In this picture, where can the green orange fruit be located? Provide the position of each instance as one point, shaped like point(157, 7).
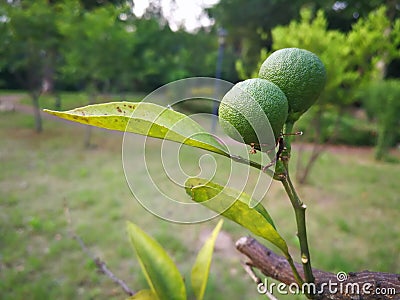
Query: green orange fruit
point(299, 73)
point(246, 110)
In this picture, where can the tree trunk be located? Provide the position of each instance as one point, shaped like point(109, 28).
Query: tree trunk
point(57, 101)
point(318, 146)
point(364, 285)
point(49, 65)
point(88, 136)
point(385, 140)
point(303, 171)
point(36, 112)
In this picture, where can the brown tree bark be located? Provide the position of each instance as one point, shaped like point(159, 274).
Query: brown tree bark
point(36, 112)
point(364, 285)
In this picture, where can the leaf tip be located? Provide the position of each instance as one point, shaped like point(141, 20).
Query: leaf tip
point(219, 225)
point(49, 111)
point(130, 225)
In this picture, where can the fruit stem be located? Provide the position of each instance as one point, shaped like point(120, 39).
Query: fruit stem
point(298, 206)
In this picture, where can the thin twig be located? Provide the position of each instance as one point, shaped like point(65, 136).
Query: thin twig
point(101, 265)
point(257, 280)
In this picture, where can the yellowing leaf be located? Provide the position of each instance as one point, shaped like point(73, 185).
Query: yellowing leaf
point(201, 267)
point(240, 196)
point(160, 271)
point(150, 120)
point(146, 119)
point(235, 206)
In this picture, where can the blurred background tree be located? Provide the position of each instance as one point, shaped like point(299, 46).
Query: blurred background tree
point(250, 23)
point(103, 47)
point(382, 102)
point(98, 46)
point(351, 59)
point(99, 50)
point(29, 45)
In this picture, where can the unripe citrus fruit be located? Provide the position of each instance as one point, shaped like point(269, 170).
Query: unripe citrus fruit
point(299, 73)
point(246, 109)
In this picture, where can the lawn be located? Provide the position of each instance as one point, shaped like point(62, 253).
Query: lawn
point(353, 216)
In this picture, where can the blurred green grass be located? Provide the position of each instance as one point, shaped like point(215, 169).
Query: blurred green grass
point(353, 216)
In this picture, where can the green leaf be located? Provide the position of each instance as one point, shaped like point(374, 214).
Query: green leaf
point(235, 206)
point(144, 295)
point(241, 196)
point(146, 119)
point(160, 271)
point(201, 267)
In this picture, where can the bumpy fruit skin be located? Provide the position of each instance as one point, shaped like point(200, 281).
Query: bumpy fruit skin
point(299, 73)
point(245, 110)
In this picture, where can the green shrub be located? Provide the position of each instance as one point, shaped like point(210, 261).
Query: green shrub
point(382, 102)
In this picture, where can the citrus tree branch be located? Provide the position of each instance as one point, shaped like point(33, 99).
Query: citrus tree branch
point(364, 285)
